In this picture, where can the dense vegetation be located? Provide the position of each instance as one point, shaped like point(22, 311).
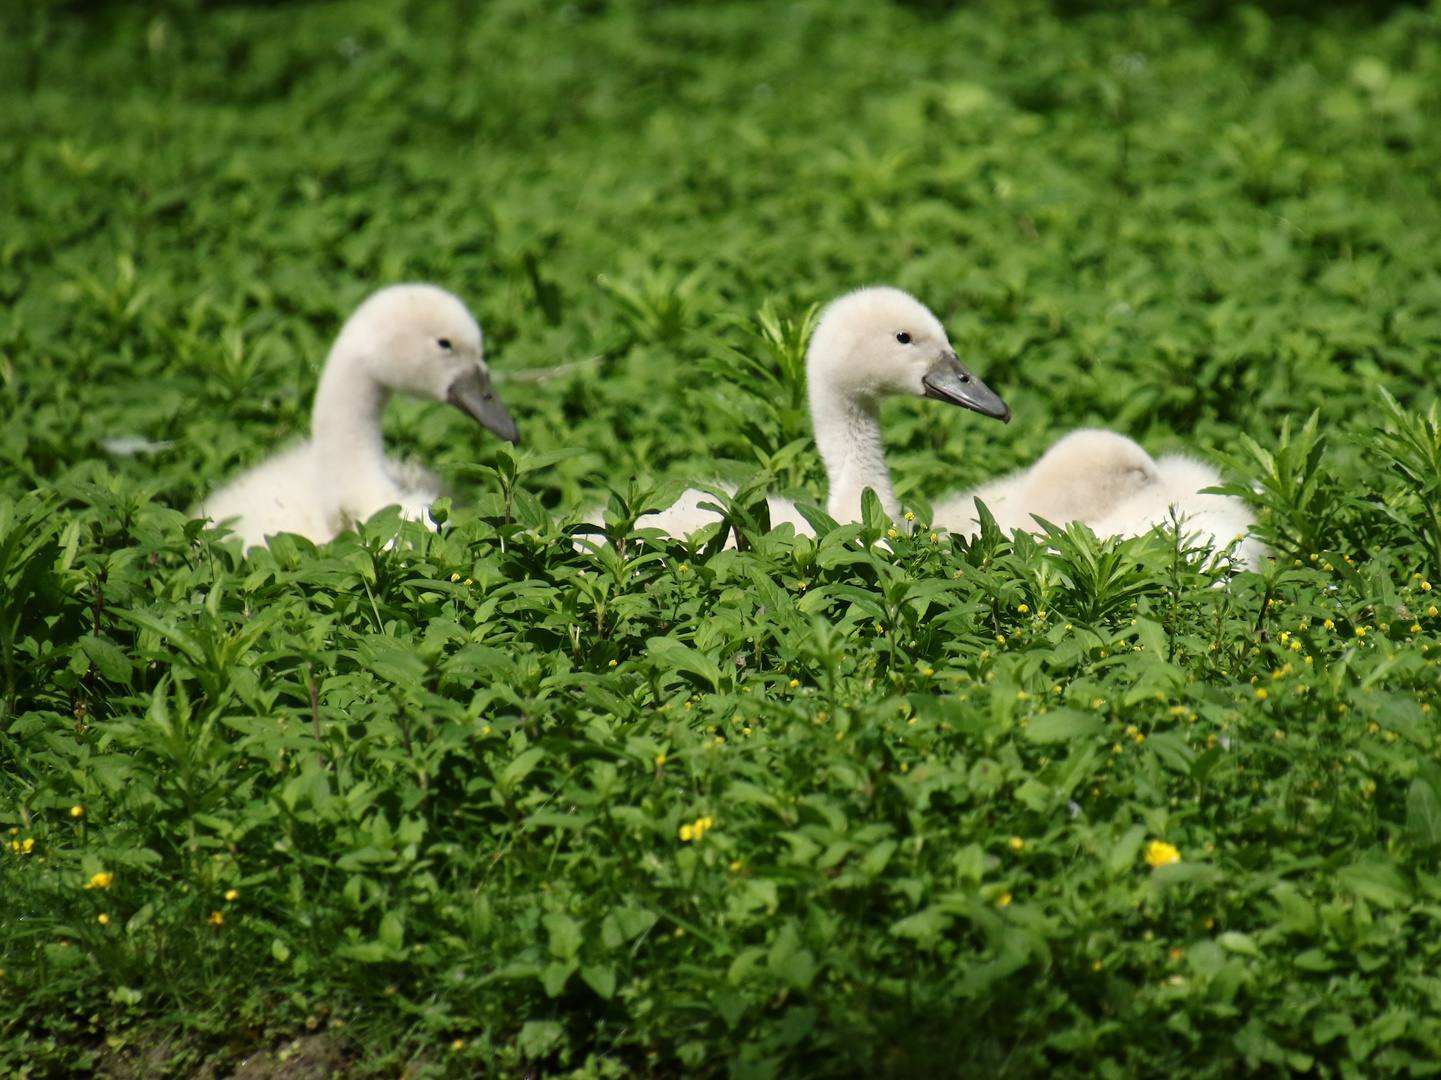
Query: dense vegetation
point(489, 801)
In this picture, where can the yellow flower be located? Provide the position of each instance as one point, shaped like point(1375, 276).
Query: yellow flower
point(467, 581)
point(1329, 625)
point(1360, 631)
point(23, 847)
point(1017, 843)
point(611, 664)
point(458, 1045)
point(100, 881)
point(1425, 586)
point(795, 683)
point(1160, 853)
point(1431, 611)
point(683, 568)
point(735, 866)
point(1003, 900)
point(1415, 628)
point(77, 811)
point(1023, 609)
point(891, 533)
point(660, 759)
point(1261, 693)
point(454, 577)
point(1176, 954)
point(910, 516)
point(232, 894)
point(1095, 965)
point(103, 919)
point(935, 539)
point(928, 671)
point(216, 919)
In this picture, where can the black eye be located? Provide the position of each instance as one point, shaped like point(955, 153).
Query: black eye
point(904, 338)
point(444, 343)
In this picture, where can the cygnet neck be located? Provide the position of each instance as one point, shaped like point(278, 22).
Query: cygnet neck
point(848, 435)
point(345, 424)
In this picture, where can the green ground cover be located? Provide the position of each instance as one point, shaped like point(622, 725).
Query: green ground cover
point(482, 803)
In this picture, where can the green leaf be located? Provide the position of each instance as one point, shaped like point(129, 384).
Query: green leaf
point(1064, 725)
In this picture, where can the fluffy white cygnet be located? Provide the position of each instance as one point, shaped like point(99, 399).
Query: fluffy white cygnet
point(409, 339)
point(869, 345)
point(1107, 482)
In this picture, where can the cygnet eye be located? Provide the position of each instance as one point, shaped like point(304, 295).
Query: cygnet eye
point(904, 338)
point(444, 343)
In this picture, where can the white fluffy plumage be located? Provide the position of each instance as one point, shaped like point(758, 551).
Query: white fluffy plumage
point(868, 345)
point(410, 339)
point(1107, 482)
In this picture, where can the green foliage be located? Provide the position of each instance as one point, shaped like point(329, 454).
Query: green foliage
point(531, 797)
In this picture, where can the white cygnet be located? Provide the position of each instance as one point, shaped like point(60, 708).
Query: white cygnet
point(408, 339)
point(1111, 485)
point(868, 345)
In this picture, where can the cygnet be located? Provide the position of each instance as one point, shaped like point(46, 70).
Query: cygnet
point(409, 339)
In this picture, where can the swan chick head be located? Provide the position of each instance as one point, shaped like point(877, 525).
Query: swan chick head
point(422, 340)
point(881, 342)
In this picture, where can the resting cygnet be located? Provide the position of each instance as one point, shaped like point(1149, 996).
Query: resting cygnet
point(1107, 482)
point(869, 345)
point(408, 339)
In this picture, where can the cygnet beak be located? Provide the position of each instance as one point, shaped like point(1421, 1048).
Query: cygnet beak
point(950, 380)
point(473, 395)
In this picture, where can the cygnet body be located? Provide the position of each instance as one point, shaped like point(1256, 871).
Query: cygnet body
point(408, 339)
point(1111, 485)
point(868, 345)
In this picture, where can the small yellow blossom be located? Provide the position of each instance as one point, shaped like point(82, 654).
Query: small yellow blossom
point(232, 894)
point(1176, 954)
point(454, 577)
point(1003, 900)
point(1095, 965)
point(1425, 586)
point(1278, 734)
point(458, 1045)
point(1415, 628)
point(905, 766)
point(1115, 748)
point(891, 533)
point(101, 880)
point(1017, 843)
point(23, 847)
point(696, 829)
point(1360, 631)
point(467, 581)
point(1023, 609)
point(1261, 694)
point(1372, 728)
point(485, 730)
point(735, 866)
point(660, 759)
point(77, 811)
point(1160, 853)
point(103, 919)
point(1431, 611)
point(216, 919)
point(928, 671)
point(611, 664)
point(935, 539)
point(683, 568)
point(910, 516)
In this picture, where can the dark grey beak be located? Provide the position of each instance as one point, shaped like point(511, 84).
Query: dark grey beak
point(473, 395)
point(950, 380)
